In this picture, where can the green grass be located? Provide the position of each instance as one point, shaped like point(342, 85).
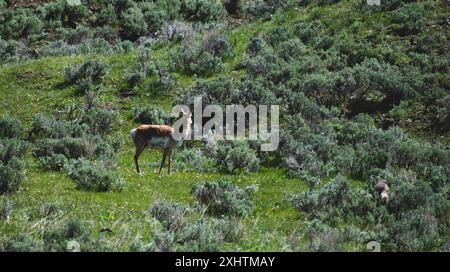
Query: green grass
point(31, 87)
point(125, 212)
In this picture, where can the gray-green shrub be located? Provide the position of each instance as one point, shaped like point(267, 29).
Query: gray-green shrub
point(150, 115)
point(236, 156)
point(46, 127)
point(90, 70)
point(133, 24)
point(92, 176)
point(12, 152)
point(194, 160)
point(192, 59)
point(202, 10)
point(330, 195)
point(223, 198)
point(185, 230)
point(11, 128)
point(170, 215)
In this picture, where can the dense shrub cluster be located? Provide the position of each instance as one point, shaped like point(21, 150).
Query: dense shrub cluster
point(329, 196)
point(193, 159)
point(12, 151)
point(409, 18)
point(236, 156)
point(73, 138)
point(266, 7)
point(8, 50)
point(150, 115)
point(196, 236)
point(185, 230)
point(143, 68)
point(401, 220)
point(224, 199)
point(99, 120)
point(71, 148)
point(133, 23)
point(217, 45)
point(67, 236)
point(228, 157)
point(78, 140)
point(90, 176)
point(203, 10)
point(85, 75)
point(191, 59)
point(176, 31)
point(57, 239)
point(202, 58)
point(357, 148)
point(322, 238)
point(171, 216)
point(59, 28)
point(11, 128)
point(227, 91)
point(21, 243)
point(45, 127)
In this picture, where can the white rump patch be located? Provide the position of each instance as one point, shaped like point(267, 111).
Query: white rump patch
point(133, 133)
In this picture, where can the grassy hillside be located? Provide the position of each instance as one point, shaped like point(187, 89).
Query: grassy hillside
point(127, 210)
point(364, 96)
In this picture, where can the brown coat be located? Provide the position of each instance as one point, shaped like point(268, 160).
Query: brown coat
point(158, 137)
point(146, 132)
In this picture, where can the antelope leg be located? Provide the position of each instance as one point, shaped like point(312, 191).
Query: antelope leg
point(137, 153)
point(170, 161)
point(163, 161)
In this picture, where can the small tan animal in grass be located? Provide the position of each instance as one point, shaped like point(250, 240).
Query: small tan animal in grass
point(382, 188)
point(158, 137)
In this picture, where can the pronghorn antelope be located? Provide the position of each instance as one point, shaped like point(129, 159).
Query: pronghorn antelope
point(158, 137)
point(383, 189)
